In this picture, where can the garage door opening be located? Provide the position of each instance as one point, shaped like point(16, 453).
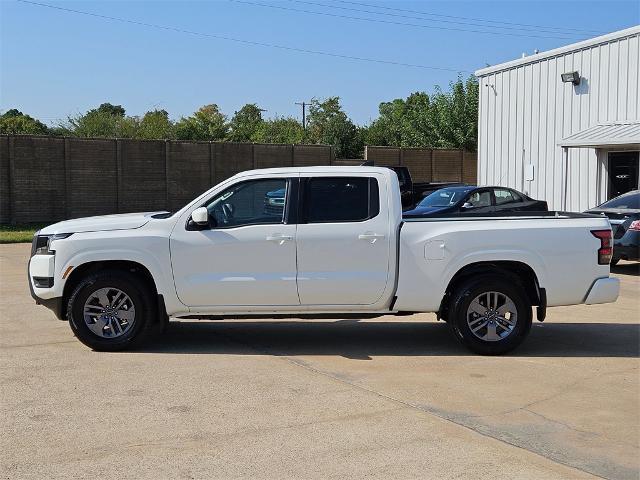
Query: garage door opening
point(623, 172)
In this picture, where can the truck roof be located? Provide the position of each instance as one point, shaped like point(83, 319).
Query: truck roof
point(317, 169)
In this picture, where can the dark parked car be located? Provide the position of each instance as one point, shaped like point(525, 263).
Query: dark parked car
point(476, 200)
point(274, 202)
point(624, 216)
point(412, 192)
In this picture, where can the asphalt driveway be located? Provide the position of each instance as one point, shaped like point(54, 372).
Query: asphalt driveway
point(382, 398)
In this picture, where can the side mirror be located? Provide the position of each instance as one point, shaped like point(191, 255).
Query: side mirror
point(466, 205)
point(200, 216)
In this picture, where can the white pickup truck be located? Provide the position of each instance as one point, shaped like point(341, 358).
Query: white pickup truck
point(327, 241)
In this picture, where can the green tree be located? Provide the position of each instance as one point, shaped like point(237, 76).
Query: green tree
point(15, 122)
point(454, 115)
point(208, 123)
point(155, 125)
point(106, 121)
point(442, 120)
point(245, 123)
point(279, 130)
point(329, 125)
point(109, 109)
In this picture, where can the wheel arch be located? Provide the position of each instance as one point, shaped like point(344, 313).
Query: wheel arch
point(134, 268)
point(516, 271)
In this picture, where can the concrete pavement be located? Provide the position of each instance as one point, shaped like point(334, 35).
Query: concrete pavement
point(383, 398)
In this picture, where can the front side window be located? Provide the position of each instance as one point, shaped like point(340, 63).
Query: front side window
point(480, 199)
point(254, 202)
point(341, 199)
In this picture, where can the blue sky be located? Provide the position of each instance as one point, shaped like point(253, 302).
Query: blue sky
point(56, 63)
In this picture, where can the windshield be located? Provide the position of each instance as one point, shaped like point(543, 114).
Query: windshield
point(444, 197)
point(631, 200)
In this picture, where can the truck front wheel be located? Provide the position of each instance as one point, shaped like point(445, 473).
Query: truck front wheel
point(490, 315)
point(110, 310)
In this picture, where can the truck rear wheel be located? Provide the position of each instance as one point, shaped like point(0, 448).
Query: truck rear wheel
point(490, 315)
point(110, 311)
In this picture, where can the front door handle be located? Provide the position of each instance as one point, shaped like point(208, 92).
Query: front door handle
point(371, 236)
point(280, 238)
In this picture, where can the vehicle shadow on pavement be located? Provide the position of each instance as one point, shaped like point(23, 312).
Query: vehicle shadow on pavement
point(627, 268)
point(363, 340)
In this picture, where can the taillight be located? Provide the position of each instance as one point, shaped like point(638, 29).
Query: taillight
point(635, 225)
point(606, 250)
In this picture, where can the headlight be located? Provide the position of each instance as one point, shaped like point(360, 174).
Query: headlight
point(41, 244)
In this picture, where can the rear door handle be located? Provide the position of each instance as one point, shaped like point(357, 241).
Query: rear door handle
point(372, 237)
point(280, 238)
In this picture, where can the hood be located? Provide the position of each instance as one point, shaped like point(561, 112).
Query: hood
point(123, 221)
point(426, 210)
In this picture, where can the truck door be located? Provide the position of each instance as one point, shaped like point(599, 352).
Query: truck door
point(343, 240)
point(247, 256)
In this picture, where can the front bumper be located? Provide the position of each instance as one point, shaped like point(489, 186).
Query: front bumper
point(44, 268)
point(603, 290)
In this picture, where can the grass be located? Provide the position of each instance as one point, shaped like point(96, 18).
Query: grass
point(21, 233)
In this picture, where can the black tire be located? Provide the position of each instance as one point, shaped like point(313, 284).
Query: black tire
point(469, 290)
point(140, 295)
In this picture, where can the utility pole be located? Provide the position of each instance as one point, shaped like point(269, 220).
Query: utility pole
point(304, 106)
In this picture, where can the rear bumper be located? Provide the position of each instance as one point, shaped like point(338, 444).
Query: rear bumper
point(603, 290)
point(628, 246)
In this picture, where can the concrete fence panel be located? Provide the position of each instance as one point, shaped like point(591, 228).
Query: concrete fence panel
point(427, 164)
point(188, 172)
point(47, 179)
point(38, 179)
point(418, 160)
point(231, 158)
point(143, 177)
point(384, 156)
point(311, 155)
point(470, 168)
point(5, 186)
point(91, 177)
point(447, 165)
point(270, 156)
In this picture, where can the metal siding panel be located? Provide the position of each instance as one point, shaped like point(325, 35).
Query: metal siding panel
point(513, 127)
point(534, 130)
point(486, 135)
point(604, 83)
point(552, 115)
point(634, 79)
point(505, 129)
point(594, 84)
point(540, 179)
point(497, 126)
point(536, 110)
point(614, 68)
point(623, 80)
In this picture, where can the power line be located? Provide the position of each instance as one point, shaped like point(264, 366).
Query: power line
point(508, 26)
point(467, 18)
point(244, 41)
point(391, 22)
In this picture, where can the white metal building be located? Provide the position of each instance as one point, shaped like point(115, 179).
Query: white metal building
point(573, 139)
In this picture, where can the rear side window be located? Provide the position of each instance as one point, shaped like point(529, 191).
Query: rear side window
point(505, 196)
point(341, 199)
